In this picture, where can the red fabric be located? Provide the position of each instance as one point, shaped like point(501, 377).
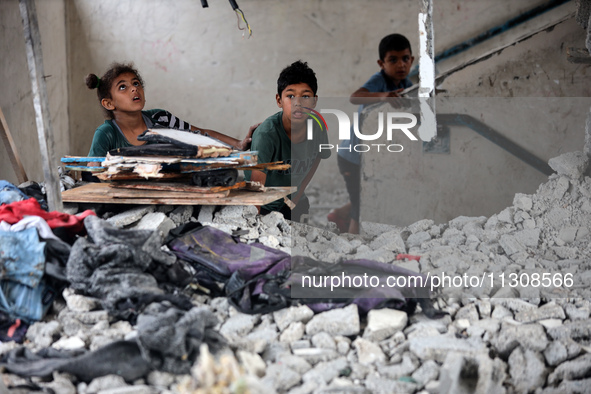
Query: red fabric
point(13, 328)
point(403, 256)
point(14, 212)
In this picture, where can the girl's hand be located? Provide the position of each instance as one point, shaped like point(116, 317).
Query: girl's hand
point(245, 143)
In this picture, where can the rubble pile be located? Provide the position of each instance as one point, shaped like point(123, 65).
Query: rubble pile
point(498, 337)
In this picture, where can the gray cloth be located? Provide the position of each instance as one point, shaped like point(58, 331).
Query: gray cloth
point(170, 338)
point(113, 264)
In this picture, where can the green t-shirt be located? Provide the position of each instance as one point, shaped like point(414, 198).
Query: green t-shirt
point(109, 136)
point(272, 144)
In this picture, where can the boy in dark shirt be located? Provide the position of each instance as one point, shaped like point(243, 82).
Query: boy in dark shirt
point(283, 137)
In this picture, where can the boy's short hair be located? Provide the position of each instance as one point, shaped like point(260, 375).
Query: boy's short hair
point(297, 72)
point(393, 42)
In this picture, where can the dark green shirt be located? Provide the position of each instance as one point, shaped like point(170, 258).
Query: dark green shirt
point(272, 144)
point(109, 136)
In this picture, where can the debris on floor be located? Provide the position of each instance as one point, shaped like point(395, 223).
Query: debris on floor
point(515, 337)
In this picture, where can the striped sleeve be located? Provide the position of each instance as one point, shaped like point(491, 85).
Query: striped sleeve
point(166, 119)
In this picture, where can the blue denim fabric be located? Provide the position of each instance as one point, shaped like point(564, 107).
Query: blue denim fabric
point(27, 303)
point(10, 193)
point(22, 256)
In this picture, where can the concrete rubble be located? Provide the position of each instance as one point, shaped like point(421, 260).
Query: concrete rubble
point(498, 338)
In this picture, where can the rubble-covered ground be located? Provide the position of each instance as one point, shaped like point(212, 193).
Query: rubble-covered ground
point(512, 338)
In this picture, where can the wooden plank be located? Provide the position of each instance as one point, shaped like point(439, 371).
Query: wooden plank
point(162, 194)
point(98, 193)
point(15, 159)
point(174, 187)
point(41, 103)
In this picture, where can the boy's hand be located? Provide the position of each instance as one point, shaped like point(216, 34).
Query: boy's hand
point(394, 93)
point(245, 143)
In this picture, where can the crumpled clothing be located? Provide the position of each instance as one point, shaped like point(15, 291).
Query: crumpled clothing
point(169, 338)
point(22, 257)
point(113, 264)
point(121, 358)
point(28, 303)
point(16, 211)
point(10, 193)
point(31, 221)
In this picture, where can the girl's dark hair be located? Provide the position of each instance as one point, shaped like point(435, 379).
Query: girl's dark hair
point(297, 72)
point(103, 84)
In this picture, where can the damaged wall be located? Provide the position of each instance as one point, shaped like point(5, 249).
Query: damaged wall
point(443, 186)
point(16, 99)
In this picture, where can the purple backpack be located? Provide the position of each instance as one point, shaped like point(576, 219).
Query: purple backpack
point(260, 279)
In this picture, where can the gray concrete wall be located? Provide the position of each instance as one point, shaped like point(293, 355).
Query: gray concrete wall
point(476, 177)
point(16, 99)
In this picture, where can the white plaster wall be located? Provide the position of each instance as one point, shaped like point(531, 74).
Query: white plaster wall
point(197, 64)
point(16, 99)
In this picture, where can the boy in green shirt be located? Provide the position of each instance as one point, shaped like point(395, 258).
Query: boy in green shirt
point(283, 137)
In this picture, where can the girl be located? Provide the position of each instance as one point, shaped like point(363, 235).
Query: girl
point(121, 94)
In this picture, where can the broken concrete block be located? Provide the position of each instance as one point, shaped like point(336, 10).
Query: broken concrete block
point(421, 225)
point(371, 229)
point(568, 234)
point(368, 352)
point(462, 374)
point(293, 332)
point(181, 214)
point(528, 237)
point(377, 384)
point(324, 340)
point(79, 303)
point(344, 321)
point(571, 164)
point(506, 215)
point(383, 323)
point(461, 221)
point(427, 372)
point(285, 317)
point(391, 241)
point(571, 370)
point(511, 245)
point(527, 370)
point(206, 214)
point(437, 347)
point(547, 311)
point(155, 221)
point(522, 201)
point(529, 336)
point(131, 216)
point(417, 239)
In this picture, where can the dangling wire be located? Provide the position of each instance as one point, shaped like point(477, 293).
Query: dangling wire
point(240, 14)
